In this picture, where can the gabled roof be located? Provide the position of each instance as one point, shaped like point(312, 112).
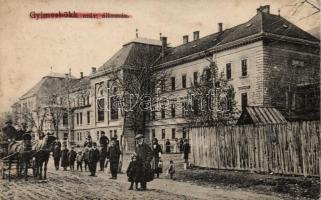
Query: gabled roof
point(259, 115)
point(262, 23)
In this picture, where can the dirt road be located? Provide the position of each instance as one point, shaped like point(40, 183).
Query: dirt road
point(78, 185)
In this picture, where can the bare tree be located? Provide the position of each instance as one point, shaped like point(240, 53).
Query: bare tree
point(211, 99)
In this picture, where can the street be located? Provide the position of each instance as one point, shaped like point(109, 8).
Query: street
point(78, 185)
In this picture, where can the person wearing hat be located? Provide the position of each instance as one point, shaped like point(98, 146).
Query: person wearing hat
point(186, 150)
point(144, 156)
point(113, 155)
point(56, 154)
point(103, 141)
point(93, 159)
point(157, 152)
point(88, 141)
point(9, 131)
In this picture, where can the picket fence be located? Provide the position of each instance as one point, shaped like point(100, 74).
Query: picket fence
point(292, 148)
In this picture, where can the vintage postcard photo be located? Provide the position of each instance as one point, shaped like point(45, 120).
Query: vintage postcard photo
point(160, 99)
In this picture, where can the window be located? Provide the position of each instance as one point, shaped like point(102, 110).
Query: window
point(163, 133)
point(184, 133)
point(244, 67)
point(77, 118)
point(244, 100)
point(80, 117)
point(228, 71)
point(87, 103)
point(163, 112)
point(80, 136)
point(162, 85)
point(101, 109)
point(65, 119)
point(173, 110)
point(72, 136)
point(153, 113)
point(115, 133)
point(184, 107)
point(88, 117)
point(110, 133)
point(184, 81)
point(173, 83)
point(195, 78)
point(173, 133)
point(65, 136)
point(208, 75)
point(195, 107)
point(153, 133)
point(113, 107)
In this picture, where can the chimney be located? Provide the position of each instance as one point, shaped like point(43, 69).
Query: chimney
point(185, 39)
point(81, 74)
point(93, 69)
point(263, 9)
point(164, 45)
point(196, 35)
point(220, 27)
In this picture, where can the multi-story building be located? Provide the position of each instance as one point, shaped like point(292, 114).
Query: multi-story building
point(268, 60)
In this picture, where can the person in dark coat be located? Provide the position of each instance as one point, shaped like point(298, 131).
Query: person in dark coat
point(113, 154)
point(93, 159)
point(144, 156)
point(103, 156)
point(86, 158)
point(64, 158)
point(72, 158)
point(88, 142)
point(181, 142)
point(21, 131)
point(103, 141)
point(56, 154)
point(133, 172)
point(168, 146)
point(9, 131)
point(79, 160)
point(186, 150)
point(157, 152)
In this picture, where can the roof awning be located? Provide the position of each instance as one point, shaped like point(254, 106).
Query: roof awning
point(260, 115)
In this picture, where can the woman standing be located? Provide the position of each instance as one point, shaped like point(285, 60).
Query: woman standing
point(64, 158)
point(157, 152)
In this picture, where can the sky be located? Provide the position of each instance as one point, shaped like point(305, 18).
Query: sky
point(30, 48)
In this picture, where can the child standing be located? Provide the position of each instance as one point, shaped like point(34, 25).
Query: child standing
point(132, 172)
point(72, 157)
point(171, 169)
point(79, 159)
point(86, 158)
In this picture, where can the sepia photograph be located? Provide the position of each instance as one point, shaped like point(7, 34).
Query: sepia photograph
point(160, 99)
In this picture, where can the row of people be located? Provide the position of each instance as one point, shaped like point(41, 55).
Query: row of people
point(90, 155)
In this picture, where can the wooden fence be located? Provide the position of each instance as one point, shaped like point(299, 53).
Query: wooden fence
point(292, 148)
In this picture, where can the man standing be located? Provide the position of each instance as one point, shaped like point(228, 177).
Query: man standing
point(93, 159)
point(9, 131)
point(186, 150)
point(56, 155)
point(113, 154)
point(144, 155)
point(104, 141)
point(103, 156)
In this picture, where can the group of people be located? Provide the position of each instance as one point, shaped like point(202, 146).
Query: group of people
point(89, 155)
point(145, 164)
point(179, 146)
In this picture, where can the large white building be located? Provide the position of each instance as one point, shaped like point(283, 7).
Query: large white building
point(257, 57)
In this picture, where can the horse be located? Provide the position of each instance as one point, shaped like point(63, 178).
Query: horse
point(23, 157)
point(42, 150)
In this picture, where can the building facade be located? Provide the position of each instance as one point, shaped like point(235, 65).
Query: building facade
point(268, 60)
